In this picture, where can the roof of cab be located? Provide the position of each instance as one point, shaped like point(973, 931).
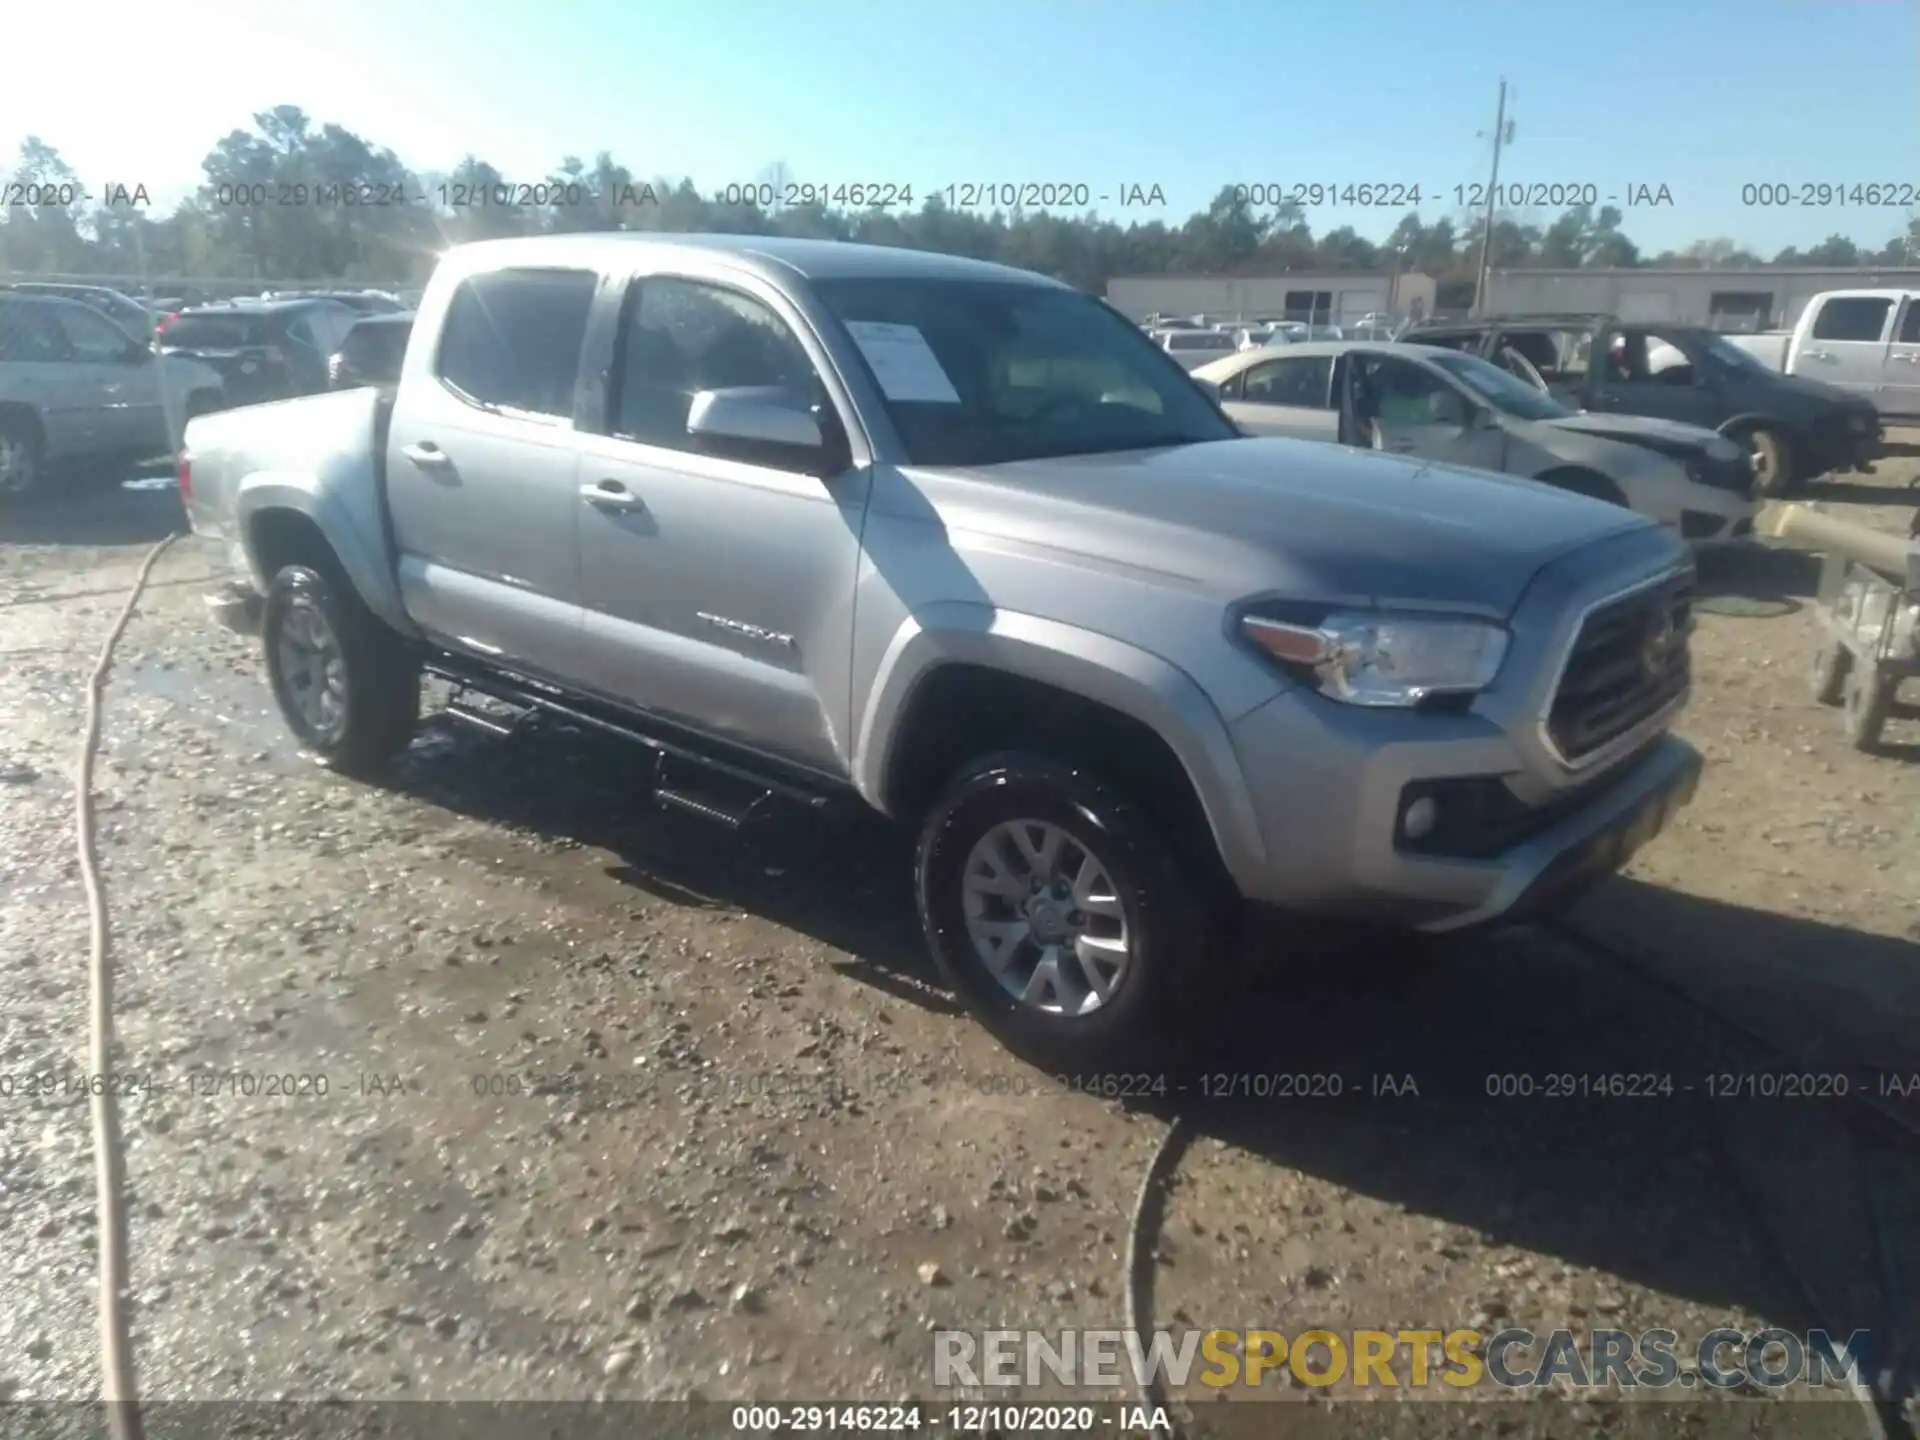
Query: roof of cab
point(771, 254)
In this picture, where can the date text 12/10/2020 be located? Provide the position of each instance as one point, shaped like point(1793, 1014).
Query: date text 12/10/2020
point(1396, 195)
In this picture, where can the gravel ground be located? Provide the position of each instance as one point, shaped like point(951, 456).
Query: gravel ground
point(495, 1082)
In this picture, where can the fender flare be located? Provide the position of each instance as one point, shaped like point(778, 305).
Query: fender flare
point(1095, 667)
point(351, 529)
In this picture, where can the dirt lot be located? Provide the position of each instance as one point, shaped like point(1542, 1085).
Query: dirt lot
point(616, 1105)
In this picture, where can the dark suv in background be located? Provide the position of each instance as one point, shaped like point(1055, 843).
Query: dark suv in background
point(263, 349)
point(1794, 427)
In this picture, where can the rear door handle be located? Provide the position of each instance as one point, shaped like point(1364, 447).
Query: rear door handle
point(427, 456)
point(1819, 355)
point(611, 495)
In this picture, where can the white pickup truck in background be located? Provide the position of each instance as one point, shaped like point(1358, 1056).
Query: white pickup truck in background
point(1864, 341)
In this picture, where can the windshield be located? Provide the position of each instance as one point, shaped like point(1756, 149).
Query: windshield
point(1503, 391)
point(981, 372)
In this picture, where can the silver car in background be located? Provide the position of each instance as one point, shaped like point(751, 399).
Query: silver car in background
point(76, 389)
point(1442, 405)
point(1194, 348)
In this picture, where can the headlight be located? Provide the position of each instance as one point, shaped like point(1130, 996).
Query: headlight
point(1383, 659)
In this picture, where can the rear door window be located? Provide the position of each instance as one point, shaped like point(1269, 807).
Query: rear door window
point(95, 339)
point(1302, 381)
point(1853, 317)
point(512, 338)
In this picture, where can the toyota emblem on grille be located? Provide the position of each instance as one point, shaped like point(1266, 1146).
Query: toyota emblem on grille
point(1657, 648)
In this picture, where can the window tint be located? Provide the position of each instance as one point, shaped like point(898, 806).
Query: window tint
point(680, 337)
point(30, 335)
point(376, 346)
point(1910, 324)
point(301, 332)
point(1400, 393)
point(1860, 318)
point(93, 338)
point(512, 338)
point(1300, 380)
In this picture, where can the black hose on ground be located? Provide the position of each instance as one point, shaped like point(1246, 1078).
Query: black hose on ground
point(1149, 1210)
point(119, 1385)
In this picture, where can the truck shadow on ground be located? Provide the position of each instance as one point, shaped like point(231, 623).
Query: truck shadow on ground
point(1466, 1082)
point(94, 513)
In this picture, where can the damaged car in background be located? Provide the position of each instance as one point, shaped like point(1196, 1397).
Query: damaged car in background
point(1446, 406)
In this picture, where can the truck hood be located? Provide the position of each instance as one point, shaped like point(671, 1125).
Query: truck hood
point(1288, 517)
point(1642, 430)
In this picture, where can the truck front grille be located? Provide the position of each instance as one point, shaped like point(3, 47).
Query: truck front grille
point(1630, 661)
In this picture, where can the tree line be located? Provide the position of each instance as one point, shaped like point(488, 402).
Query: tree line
point(291, 200)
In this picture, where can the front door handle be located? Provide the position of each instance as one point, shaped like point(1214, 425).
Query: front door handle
point(611, 495)
point(427, 455)
point(1819, 355)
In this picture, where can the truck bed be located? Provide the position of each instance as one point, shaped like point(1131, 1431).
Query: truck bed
point(335, 442)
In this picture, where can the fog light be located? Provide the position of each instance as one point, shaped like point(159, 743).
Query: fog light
point(1422, 815)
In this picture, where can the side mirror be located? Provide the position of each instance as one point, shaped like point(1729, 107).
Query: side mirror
point(1482, 418)
point(764, 424)
point(1212, 387)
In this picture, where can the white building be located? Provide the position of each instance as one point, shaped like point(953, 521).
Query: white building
point(1317, 298)
point(1761, 298)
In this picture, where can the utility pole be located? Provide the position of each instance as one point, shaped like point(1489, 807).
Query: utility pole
point(1501, 135)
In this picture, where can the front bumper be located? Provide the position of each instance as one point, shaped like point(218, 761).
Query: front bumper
point(1841, 447)
point(1556, 866)
point(1331, 829)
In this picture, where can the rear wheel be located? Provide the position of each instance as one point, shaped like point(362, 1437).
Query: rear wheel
point(1061, 918)
point(22, 459)
point(348, 686)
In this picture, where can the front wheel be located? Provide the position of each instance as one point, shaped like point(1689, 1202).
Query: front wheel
point(1060, 917)
point(348, 686)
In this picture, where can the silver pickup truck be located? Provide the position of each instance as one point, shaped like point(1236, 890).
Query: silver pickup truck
point(814, 519)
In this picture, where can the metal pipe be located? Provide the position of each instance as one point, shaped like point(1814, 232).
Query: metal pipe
point(1809, 529)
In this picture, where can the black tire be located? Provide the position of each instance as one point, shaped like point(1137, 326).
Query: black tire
point(1865, 702)
point(378, 691)
point(23, 468)
point(1589, 483)
point(1776, 472)
point(1831, 662)
point(1171, 981)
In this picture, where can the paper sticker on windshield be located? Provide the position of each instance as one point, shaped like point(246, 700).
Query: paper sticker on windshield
point(903, 362)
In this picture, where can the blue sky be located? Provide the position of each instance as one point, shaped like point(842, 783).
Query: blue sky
point(1701, 96)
